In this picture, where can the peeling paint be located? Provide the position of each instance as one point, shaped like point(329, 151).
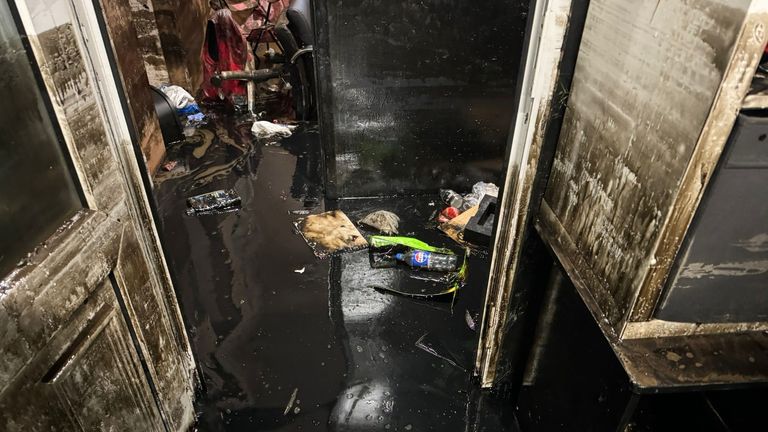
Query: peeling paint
point(702, 270)
point(756, 244)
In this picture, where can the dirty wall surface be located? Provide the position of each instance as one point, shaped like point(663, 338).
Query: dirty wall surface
point(645, 80)
point(416, 95)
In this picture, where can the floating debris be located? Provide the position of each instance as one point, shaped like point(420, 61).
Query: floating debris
point(291, 401)
point(170, 165)
point(330, 233)
point(300, 271)
point(471, 323)
point(383, 221)
point(217, 201)
point(267, 129)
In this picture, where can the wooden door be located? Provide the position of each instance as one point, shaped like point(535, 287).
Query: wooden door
point(90, 331)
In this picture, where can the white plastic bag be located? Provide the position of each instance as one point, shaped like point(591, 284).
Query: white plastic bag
point(265, 129)
point(178, 96)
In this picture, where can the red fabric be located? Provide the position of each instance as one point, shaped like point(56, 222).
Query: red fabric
point(251, 14)
point(233, 56)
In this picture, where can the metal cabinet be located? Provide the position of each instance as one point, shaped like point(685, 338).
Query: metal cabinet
point(721, 273)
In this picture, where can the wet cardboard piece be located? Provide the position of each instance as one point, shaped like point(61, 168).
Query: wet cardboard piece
point(455, 227)
point(330, 233)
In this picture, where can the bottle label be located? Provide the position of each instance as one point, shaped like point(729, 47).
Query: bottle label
point(420, 259)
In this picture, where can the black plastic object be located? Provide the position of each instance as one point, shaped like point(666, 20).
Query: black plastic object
point(170, 126)
point(480, 228)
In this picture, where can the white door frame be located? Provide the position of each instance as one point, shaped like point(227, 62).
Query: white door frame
point(545, 51)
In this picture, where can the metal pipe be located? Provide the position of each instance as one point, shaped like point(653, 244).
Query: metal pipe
point(255, 76)
point(299, 53)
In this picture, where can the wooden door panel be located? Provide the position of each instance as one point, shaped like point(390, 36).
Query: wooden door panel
point(88, 377)
point(37, 301)
point(39, 298)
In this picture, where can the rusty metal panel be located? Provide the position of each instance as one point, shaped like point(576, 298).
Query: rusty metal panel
point(647, 76)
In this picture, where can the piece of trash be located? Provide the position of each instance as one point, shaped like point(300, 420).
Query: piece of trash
point(180, 98)
point(195, 120)
point(299, 212)
point(266, 129)
point(432, 345)
point(196, 117)
point(447, 214)
point(455, 227)
point(479, 190)
point(291, 401)
point(431, 261)
point(300, 271)
point(382, 249)
point(190, 110)
point(452, 198)
point(170, 165)
point(382, 220)
point(471, 323)
point(330, 233)
point(479, 229)
point(217, 201)
point(439, 285)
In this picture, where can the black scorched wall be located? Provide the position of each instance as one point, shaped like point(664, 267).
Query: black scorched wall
point(416, 95)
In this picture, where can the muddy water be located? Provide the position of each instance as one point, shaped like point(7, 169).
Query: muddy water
point(288, 342)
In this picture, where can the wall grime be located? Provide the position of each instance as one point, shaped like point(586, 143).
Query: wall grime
point(143, 17)
point(134, 78)
point(181, 25)
point(645, 80)
point(416, 95)
point(102, 268)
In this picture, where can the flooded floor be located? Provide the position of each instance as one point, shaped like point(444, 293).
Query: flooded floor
point(287, 342)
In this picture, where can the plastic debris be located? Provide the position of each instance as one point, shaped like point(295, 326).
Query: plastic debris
point(382, 249)
point(180, 98)
point(470, 320)
point(214, 202)
point(447, 214)
point(300, 271)
point(170, 165)
point(189, 110)
point(479, 229)
point(452, 198)
point(330, 233)
point(266, 129)
point(195, 119)
point(432, 344)
point(383, 221)
point(431, 261)
point(291, 401)
point(439, 284)
point(479, 190)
